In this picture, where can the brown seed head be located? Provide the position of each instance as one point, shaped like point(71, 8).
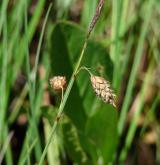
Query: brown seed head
point(58, 83)
point(96, 16)
point(103, 90)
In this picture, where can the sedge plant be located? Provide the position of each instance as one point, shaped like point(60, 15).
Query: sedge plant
point(66, 94)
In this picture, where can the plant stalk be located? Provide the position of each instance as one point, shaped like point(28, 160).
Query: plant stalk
point(63, 103)
point(70, 85)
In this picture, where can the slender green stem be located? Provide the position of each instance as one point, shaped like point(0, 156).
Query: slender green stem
point(2, 13)
point(28, 70)
point(63, 103)
point(32, 88)
point(39, 47)
point(52, 158)
point(84, 68)
point(30, 148)
point(33, 118)
point(18, 105)
point(150, 114)
point(115, 50)
point(6, 145)
point(31, 31)
point(48, 143)
point(31, 97)
point(4, 71)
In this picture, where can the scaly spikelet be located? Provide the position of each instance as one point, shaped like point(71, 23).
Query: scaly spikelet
point(103, 90)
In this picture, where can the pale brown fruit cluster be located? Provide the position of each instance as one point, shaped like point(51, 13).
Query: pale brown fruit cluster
point(58, 83)
point(103, 90)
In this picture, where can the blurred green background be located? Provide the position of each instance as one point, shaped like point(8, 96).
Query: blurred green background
point(37, 43)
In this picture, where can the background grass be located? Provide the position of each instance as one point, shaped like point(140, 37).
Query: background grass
point(38, 42)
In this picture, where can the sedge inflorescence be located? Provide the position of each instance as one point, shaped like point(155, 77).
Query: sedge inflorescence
point(58, 83)
point(103, 90)
point(101, 87)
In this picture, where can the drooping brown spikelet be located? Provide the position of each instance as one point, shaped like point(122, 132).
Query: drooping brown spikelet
point(103, 90)
point(58, 83)
point(96, 16)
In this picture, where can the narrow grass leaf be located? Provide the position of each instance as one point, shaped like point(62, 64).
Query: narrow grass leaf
point(136, 63)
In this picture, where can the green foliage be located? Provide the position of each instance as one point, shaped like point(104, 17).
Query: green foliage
point(81, 104)
point(72, 143)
